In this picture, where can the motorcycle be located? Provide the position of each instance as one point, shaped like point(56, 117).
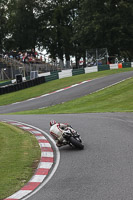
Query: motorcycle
point(72, 138)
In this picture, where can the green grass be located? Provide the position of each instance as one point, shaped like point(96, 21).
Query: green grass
point(17, 162)
point(117, 98)
point(53, 85)
point(19, 157)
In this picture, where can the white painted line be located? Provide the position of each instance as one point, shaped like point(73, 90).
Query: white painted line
point(74, 85)
point(111, 85)
point(60, 90)
point(16, 103)
point(24, 127)
point(44, 95)
point(54, 167)
point(46, 154)
point(35, 132)
point(16, 124)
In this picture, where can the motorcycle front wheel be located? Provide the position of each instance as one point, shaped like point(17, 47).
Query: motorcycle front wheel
point(76, 143)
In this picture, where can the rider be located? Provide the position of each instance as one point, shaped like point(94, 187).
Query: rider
point(56, 130)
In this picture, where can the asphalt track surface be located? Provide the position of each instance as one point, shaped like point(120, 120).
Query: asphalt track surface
point(104, 169)
point(66, 95)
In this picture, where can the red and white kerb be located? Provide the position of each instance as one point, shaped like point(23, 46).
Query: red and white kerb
point(46, 162)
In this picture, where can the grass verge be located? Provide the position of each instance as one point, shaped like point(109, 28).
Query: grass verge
point(117, 98)
point(53, 85)
point(19, 157)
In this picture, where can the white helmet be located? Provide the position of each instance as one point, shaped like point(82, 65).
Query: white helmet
point(52, 122)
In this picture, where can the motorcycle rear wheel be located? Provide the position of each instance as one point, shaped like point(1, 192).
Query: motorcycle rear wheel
point(76, 143)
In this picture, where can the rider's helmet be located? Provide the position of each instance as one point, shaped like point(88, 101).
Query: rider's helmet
point(52, 122)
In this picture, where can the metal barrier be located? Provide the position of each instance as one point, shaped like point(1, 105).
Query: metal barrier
point(103, 67)
point(52, 77)
point(22, 85)
point(78, 71)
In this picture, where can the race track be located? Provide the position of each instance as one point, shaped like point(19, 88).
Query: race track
point(104, 169)
point(68, 94)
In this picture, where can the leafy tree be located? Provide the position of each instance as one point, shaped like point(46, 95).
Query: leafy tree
point(3, 22)
point(126, 28)
point(105, 23)
point(57, 31)
point(22, 24)
point(67, 27)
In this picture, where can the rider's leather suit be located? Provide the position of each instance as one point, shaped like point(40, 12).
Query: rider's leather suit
point(56, 131)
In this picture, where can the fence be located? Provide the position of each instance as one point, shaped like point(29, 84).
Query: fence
point(7, 87)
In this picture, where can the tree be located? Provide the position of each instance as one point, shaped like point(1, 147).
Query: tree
point(57, 31)
point(3, 23)
point(22, 24)
point(126, 28)
point(67, 27)
point(105, 23)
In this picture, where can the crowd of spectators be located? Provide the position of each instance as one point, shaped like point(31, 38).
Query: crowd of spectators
point(24, 56)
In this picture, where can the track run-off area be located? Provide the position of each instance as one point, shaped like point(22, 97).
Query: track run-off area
point(104, 169)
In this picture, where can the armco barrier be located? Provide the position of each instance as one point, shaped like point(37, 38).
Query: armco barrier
point(20, 86)
point(44, 74)
point(126, 65)
point(103, 67)
point(55, 75)
point(55, 72)
point(51, 77)
point(78, 71)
